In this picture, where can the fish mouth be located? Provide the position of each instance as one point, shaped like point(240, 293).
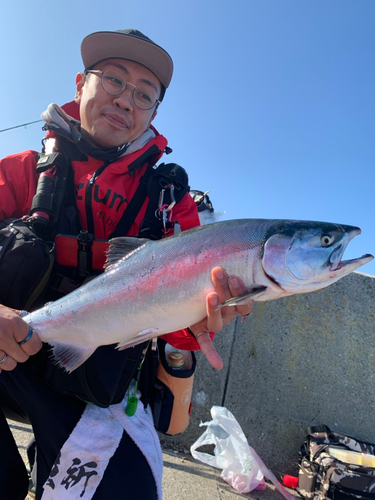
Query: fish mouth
point(349, 265)
point(336, 264)
point(335, 258)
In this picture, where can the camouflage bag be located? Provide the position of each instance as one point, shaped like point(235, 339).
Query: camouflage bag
point(335, 466)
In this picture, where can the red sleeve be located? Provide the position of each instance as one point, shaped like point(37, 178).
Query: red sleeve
point(183, 340)
point(18, 181)
point(186, 213)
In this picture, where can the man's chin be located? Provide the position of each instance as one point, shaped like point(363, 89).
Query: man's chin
point(104, 143)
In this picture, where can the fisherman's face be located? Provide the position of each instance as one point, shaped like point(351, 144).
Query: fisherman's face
point(109, 120)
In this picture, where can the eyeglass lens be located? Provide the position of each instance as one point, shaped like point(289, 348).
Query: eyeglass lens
point(114, 84)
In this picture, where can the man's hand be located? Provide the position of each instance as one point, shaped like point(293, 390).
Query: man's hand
point(12, 331)
point(225, 288)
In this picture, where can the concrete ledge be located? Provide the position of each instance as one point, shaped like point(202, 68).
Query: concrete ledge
point(296, 362)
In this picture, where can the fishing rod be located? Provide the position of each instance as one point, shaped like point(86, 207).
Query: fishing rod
point(18, 126)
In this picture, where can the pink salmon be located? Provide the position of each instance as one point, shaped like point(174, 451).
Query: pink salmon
point(151, 288)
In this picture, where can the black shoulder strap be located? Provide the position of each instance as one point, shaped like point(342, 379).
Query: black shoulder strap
point(134, 206)
point(151, 184)
point(55, 187)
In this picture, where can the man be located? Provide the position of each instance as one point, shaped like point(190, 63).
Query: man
point(111, 142)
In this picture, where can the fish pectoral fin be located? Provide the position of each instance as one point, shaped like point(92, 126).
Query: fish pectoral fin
point(243, 299)
point(122, 247)
point(141, 337)
point(70, 356)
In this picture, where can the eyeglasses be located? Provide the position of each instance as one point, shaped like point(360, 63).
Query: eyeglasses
point(114, 84)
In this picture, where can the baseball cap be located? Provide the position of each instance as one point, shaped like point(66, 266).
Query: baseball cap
point(128, 44)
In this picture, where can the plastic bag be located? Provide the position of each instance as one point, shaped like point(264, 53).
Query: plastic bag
point(241, 466)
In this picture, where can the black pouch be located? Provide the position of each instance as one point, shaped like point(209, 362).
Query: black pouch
point(336, 467)
point(93, 382)
point(26, 262)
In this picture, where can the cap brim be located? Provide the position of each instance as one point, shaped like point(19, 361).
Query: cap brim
point(108, 44)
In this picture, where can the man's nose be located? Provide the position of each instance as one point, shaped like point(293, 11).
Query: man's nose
point(125, 99)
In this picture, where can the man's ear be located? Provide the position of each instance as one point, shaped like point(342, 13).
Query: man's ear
point(80, 81)
point(152, 118)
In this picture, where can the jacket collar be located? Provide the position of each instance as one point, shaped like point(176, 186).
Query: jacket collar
point(60, 123)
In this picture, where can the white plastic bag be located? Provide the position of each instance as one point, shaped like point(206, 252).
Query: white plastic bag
point(241, 466)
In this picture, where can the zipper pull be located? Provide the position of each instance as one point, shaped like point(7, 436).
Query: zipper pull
point(132, 402)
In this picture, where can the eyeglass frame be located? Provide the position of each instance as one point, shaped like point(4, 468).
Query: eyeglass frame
point(94, 71)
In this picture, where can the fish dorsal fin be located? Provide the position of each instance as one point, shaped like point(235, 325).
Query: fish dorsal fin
point(121, 248)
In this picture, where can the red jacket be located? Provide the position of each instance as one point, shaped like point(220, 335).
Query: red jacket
point(104, 202)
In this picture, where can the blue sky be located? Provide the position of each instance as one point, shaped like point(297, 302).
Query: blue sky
point(271, 106)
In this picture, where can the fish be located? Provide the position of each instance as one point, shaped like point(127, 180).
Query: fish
point(150, 288)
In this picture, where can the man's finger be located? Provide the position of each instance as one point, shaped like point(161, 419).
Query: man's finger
point(214, 324)
point(10, 346)
point(7, 363)
point(28, 340)
point(220, 281)
point(214, 316)
point(237, 287)
point(209, 351)
point(14, 330)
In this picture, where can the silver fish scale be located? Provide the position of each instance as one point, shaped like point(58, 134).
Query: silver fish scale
point(162, 286)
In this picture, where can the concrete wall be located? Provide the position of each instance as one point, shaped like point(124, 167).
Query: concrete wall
point(296, 362)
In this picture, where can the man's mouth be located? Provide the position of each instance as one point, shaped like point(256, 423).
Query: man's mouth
point(116, 120)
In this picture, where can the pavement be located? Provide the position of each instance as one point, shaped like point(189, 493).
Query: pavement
point(184, 477)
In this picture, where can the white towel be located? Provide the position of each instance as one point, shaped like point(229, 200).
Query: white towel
point(140, 427)
point(84, 457)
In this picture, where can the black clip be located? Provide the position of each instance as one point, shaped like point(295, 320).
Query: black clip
point(84, 254)
point(49, 160)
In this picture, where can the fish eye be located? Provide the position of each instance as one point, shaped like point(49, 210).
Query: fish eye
point(327, 240)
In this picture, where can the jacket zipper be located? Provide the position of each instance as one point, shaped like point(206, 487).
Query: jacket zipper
point(90, 185)
point(88, 199)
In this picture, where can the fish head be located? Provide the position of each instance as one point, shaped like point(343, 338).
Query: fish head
point(306, 256)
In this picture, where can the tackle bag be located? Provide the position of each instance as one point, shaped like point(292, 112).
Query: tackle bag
point(26, 262)
point(336, 467)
